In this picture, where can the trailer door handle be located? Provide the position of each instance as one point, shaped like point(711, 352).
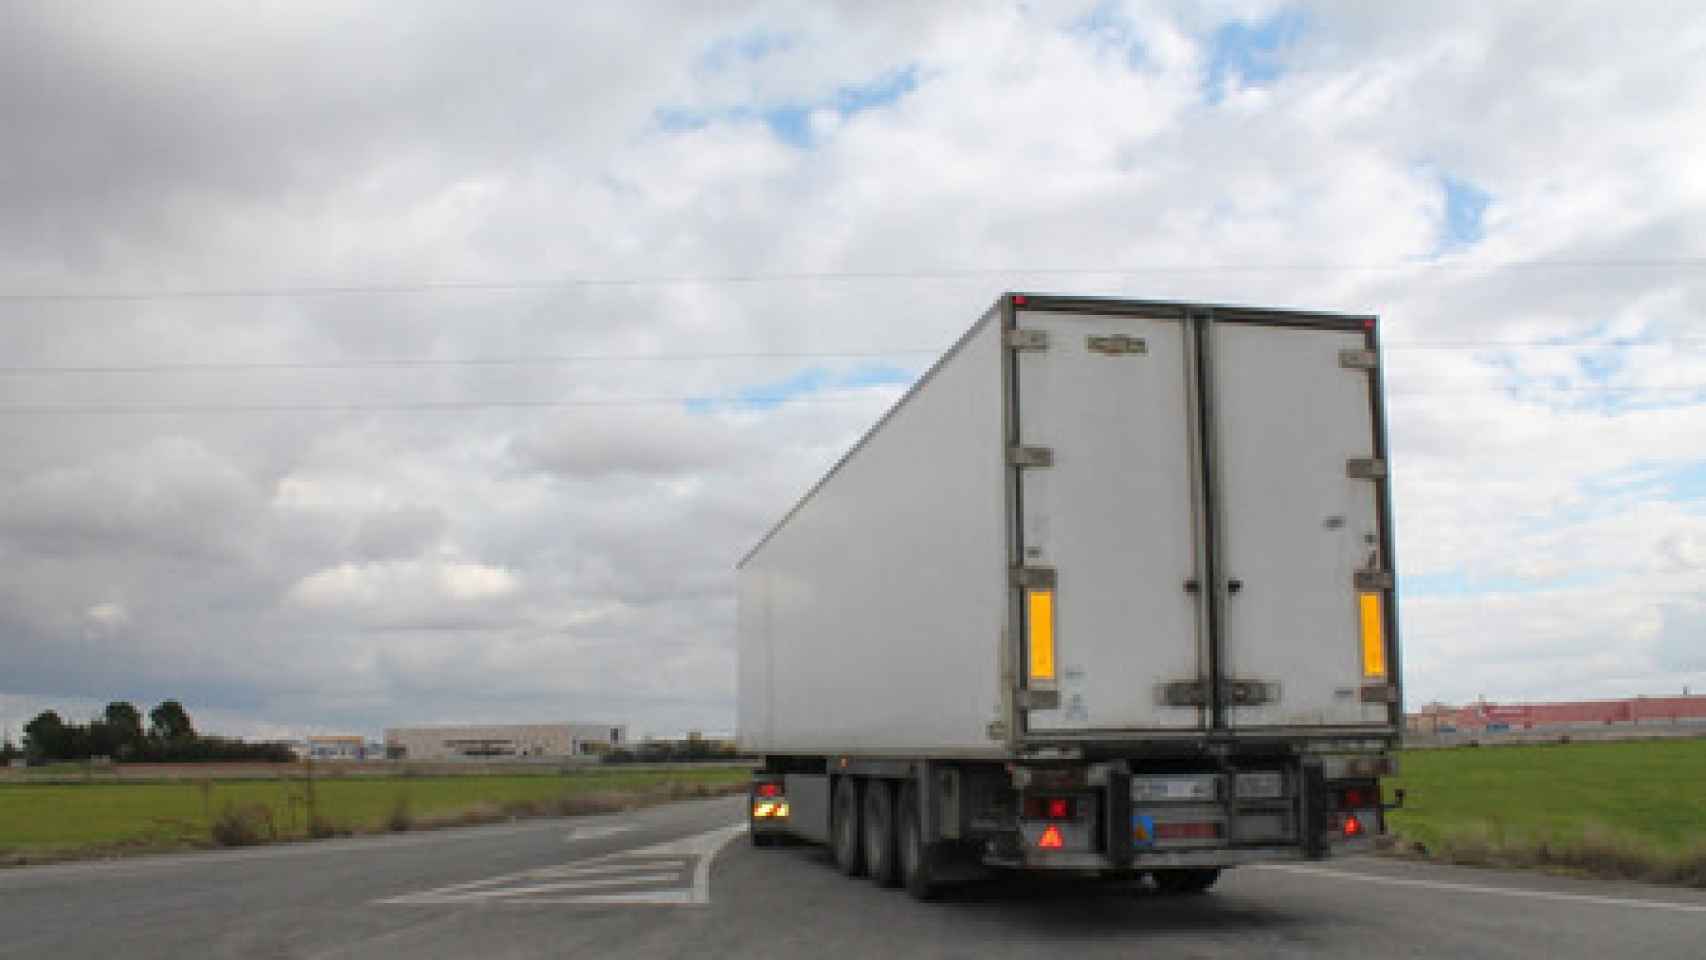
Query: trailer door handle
point(1233, 586)
point(1192, 586)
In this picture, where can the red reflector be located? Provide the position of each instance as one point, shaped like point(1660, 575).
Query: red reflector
point(1200, 830)
point(1353, 826)
point(1357, 797)
point(1051, 838)
point(1020, 299)
point(1368, 324)
point(769, 790)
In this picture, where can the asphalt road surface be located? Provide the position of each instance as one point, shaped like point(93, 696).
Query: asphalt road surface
point(682, 880)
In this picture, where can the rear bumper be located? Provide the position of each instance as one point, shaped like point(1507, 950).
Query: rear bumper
point(1153, 860)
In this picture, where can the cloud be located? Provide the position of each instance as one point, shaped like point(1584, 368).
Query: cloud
point(534, 323)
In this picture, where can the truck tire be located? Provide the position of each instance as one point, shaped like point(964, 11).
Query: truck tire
point(915, 858)
point(879, 838)
point(1185, 881)
point(849, 851)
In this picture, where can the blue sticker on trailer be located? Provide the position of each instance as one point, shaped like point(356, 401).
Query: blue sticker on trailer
point(1142, 829)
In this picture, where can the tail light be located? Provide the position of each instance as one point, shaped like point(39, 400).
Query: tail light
point(767, 789)
point(1358, 798)
point(1051, 808)
point(1353, 826)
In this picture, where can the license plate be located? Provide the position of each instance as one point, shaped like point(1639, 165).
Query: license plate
point(1262, 785)
point(1174, 788)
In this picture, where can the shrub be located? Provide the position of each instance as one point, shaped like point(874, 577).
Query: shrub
point(243, 826)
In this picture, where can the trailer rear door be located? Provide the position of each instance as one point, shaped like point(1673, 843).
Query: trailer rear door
point(1111, 516)
point(1297, 518)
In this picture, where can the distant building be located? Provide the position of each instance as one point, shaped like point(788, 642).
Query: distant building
point(504, 740)
point(1496, 717)
point(339, 748)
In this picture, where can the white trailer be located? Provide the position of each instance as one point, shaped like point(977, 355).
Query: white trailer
point(1110, 588)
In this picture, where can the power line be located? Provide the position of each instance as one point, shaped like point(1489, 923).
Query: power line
point(406, 363)
point(546, 360)
point(728, 279)
point(703, 402)
point(708, 403)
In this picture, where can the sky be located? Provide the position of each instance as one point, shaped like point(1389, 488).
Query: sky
point(366, 365)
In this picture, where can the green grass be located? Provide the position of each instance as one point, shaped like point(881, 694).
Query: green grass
point(1628, 809)
point(42, 821)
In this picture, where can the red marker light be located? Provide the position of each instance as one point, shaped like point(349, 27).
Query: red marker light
point(769, 790)
point(1020, 299)
point(1051, 838)
point(1059, 808)
point(1368, 324)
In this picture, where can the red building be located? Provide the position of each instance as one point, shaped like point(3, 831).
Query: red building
point(1482, 715)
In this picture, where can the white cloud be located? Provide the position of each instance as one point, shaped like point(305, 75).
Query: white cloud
point(337, 568)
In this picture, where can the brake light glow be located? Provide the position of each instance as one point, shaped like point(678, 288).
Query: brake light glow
point(1051, 808)
point(1051, 838)
point(1352, 798)
point(769, 790)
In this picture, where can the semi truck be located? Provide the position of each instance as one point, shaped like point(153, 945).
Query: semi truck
point(1109, 589)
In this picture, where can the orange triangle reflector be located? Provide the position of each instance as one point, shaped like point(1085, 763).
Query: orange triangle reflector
point(1051, 839)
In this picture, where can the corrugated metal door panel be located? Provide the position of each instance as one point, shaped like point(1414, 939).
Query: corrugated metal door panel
point(1293, 527)
point(1112, 515)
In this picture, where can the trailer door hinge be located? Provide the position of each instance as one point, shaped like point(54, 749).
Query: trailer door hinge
point(1359, 359)
point(1116, 344)
point(1182, 693)
point(1366, 468)
point(1248, 693)
point(1375, 580)
point(1037, 699)
point(1030, 456)
point(1025, 339)
point(1379, 693)
point(1033, 578)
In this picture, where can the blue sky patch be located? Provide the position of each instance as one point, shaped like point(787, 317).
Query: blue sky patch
point(1251, 52)
point(1109, 30)
point(749, 47)
point(790, 121)
point(1465, 204)
point(812, 380)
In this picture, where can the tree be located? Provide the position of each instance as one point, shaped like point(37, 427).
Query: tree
point(170, 722)
point(45, 736)
point(124, 729)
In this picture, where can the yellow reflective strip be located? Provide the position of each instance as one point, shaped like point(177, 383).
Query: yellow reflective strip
point(1039, 619)
point(1373, 636)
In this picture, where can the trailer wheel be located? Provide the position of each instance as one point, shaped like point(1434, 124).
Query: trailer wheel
point(1185, 881)
point(849, 855)
point(916, 858)
point(880, 834)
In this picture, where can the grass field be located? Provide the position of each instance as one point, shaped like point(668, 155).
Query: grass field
point(44, 821)
point(1630, 809)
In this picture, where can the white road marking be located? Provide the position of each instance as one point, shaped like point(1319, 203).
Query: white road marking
point(596, 831)
point(1481, 890)
point(663, 867)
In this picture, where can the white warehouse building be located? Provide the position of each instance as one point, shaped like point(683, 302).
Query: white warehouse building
point(488, 741)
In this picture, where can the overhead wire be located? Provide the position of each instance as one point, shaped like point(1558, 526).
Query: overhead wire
point(725, 279)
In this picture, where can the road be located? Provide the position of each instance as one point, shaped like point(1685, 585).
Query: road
point(682, 880)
